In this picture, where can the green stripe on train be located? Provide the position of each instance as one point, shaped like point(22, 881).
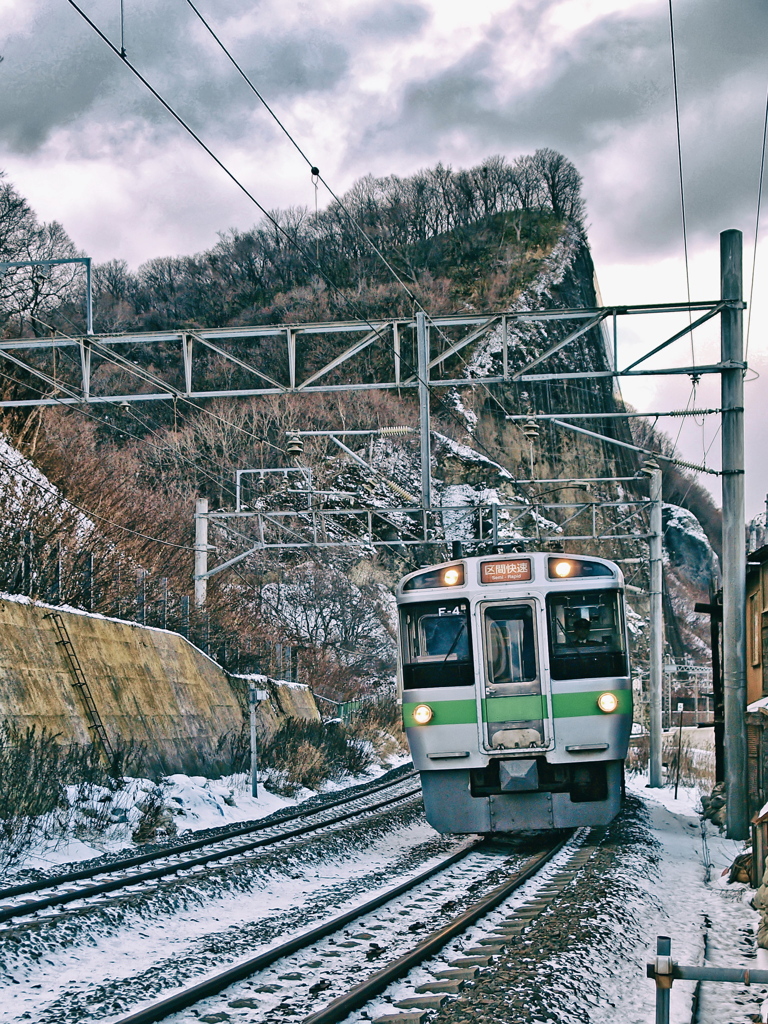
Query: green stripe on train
point(572, 705)
point(514, 709)
point(445, 712)
point(517, 709)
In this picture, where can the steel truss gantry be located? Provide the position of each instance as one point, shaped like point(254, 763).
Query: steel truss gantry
point(187, 355)
point(494, 523)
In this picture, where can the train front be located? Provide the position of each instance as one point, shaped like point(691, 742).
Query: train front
point(517, 698)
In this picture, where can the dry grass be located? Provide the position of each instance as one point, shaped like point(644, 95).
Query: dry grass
point(35, 769)
point(697, 767)
point(311, 753)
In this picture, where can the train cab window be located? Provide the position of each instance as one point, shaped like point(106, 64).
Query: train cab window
point(437, 644)
point(511, 671)
point(586, 634)
point(511, 647)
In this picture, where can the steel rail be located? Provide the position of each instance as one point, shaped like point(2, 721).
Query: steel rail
point(218, 982)
point(358, 996)
point(58, 899)
point(196, 844)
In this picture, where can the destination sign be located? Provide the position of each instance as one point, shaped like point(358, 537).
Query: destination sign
point(506, 571)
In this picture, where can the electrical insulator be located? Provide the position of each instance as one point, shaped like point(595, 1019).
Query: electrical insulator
point(394, 431)
point(295, 446)
point(530, 430)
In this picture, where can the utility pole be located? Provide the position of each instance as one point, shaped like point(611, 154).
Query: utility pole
point(422, 345)
point(734, 553)
point(252, 699)
point(656, 667)
point(201, 551)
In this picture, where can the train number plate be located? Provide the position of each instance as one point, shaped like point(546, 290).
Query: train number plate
point(506, 571)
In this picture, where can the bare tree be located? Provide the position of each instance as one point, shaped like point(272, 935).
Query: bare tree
point(562, 183)
point(28, 295)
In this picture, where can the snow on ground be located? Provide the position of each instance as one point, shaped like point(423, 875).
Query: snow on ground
point(683, 894)
point(195, 802)
point(697, 909)
point(113, 959)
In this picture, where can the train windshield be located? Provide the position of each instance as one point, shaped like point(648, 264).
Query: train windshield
point(514, 708)
point(586, 634)
point(437, 645)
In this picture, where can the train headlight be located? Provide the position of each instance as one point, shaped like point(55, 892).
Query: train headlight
point(422, 714)
point(563, 569)
point(451, 577)
point(607, 702)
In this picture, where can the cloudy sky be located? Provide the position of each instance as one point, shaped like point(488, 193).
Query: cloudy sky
point(388, 88)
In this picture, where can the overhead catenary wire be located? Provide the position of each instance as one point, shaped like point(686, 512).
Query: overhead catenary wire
point(680, 166)
point(145, 375)
point(162, 448)
point(292, 241)
point(316, 176)
point(54, 492)
point(757, 226)
point(110, 355)
point(315, 171)
point(81, 410)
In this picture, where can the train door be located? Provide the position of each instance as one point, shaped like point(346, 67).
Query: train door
point(513, 699)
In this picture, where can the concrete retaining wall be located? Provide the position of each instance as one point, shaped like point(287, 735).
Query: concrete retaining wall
point(149, 685)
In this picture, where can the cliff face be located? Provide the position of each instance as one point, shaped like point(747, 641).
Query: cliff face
point(148, 685)
point(690, 568)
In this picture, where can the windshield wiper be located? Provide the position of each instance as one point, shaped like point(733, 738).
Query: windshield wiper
point(452, 648)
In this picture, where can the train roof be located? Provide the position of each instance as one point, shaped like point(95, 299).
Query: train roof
point(486, 573)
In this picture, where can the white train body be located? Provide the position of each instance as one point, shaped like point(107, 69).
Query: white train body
point(516, 690)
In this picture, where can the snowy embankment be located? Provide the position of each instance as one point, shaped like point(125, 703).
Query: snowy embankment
point(182, 803)
point(689, 899)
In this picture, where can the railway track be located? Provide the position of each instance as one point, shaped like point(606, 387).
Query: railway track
point(90, 883)
point(319, 959)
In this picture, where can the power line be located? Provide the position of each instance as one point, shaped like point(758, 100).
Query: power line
point(56, 493)
point(314, 170)
point(680, 166)
point(292, 241)
point(316, 175)
point(757, 227)
point(190, 131)
point(79, 407)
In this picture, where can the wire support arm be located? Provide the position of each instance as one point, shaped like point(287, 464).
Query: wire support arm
point(636, 448)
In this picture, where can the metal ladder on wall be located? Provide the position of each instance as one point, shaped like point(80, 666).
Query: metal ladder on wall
point(81, 683)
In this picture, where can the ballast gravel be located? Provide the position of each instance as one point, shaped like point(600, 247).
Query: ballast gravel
point(580, 956)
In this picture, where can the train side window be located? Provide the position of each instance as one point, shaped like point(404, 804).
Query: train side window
point(586, 634)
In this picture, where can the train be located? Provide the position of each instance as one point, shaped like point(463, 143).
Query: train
point(516, 692)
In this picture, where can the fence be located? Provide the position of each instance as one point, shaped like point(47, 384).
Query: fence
point(664, 971)
point(111, 584)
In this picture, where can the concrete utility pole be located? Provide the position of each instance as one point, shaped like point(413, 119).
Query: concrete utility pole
point(201, 552)
point(422, 345)
point(734, 541)
point(656, 667)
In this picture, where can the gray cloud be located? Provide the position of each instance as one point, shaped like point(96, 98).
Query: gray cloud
point(612, 87)
point(604, 99)
point(59, 72)
point(395, 19)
